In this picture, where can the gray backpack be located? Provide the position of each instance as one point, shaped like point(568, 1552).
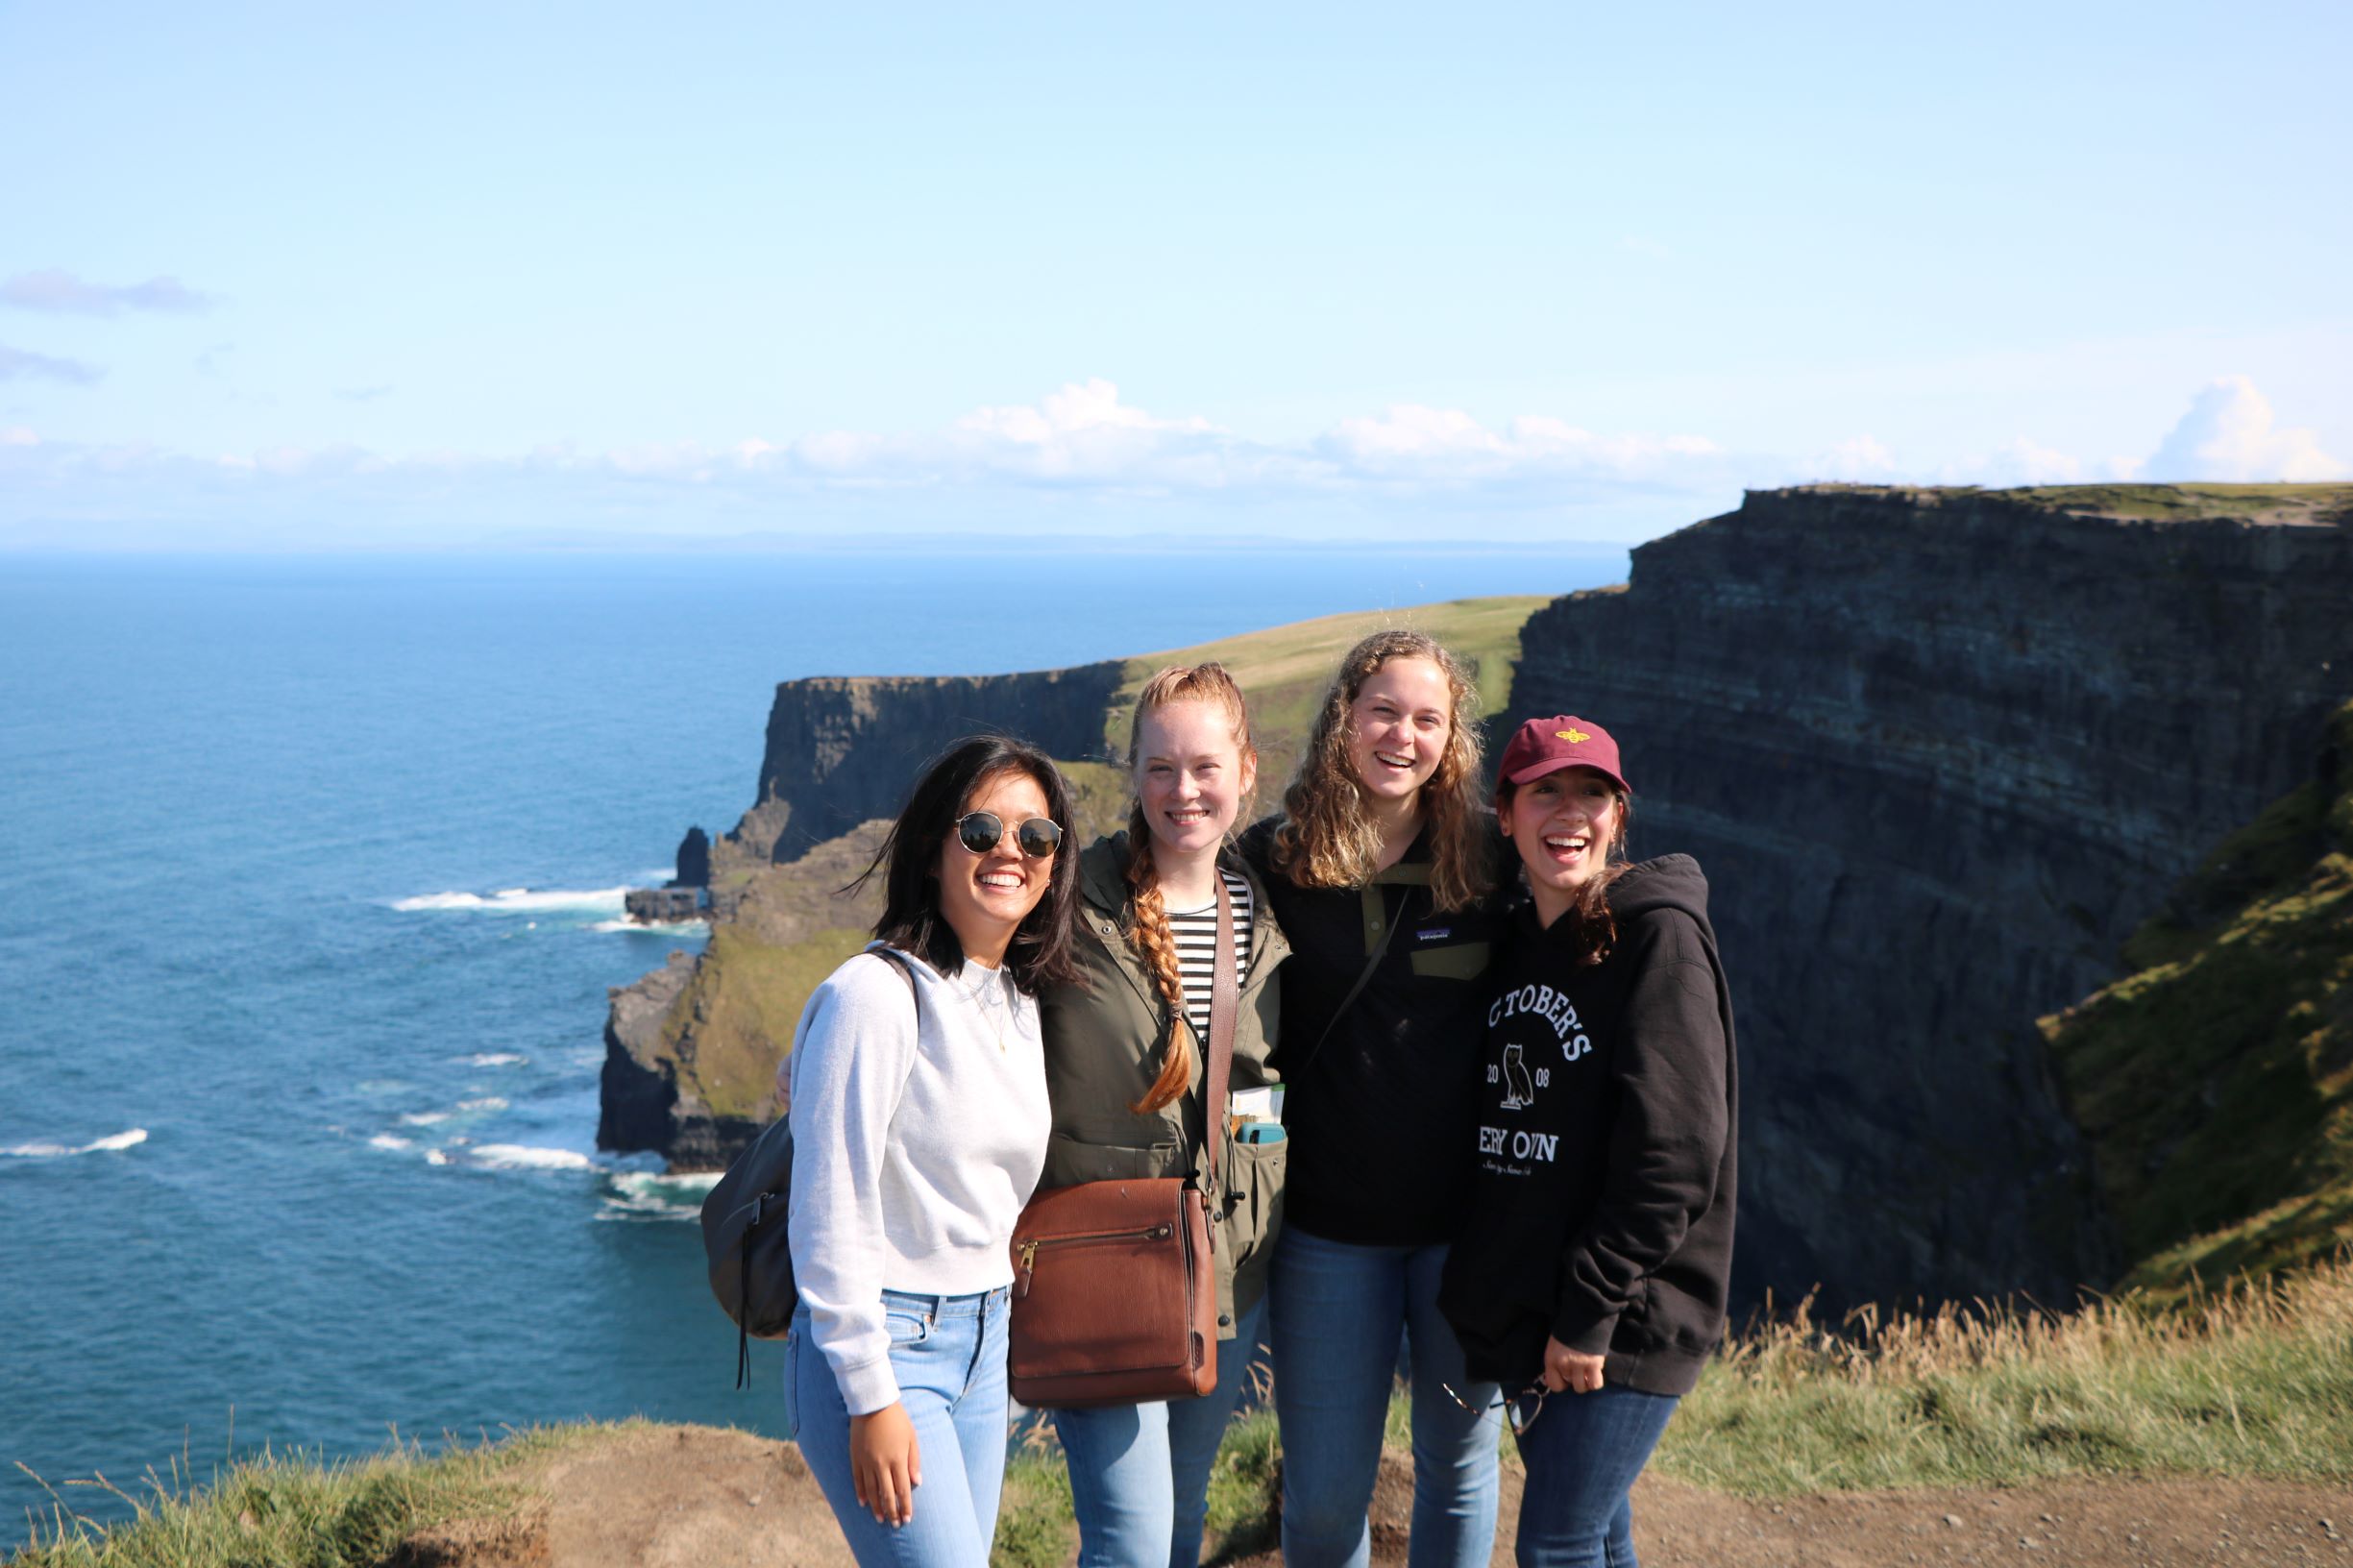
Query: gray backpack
point(743, 1239)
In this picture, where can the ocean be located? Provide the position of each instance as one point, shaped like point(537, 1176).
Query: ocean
point(311, 881)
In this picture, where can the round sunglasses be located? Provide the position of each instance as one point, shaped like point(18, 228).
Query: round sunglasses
point(981, 831)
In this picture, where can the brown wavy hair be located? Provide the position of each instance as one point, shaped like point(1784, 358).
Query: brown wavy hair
point(1329, 840)
point(1593, 928)
point(1154, 941)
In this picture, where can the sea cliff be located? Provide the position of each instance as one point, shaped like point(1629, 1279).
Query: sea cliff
point(1940, 752)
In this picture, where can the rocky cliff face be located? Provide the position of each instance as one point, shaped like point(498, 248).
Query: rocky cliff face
point(1939, 753)
point(841, 749)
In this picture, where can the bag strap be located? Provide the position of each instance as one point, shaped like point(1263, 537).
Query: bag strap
point(905, 969)
point(1225, 1000)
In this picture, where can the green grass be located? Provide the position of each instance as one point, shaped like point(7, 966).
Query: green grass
point(1245, 1485)
point(1035, 1524)
point(2215, 1083)
point(729, 1027)
point(290, 1509)
point(2183, 502)
point(2257, 1381)
point(1285, 669)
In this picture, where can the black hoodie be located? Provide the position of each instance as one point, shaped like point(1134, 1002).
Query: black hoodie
point(1602, 1206)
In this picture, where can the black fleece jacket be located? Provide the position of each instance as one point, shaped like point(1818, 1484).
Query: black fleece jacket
point(1378, 1111)
point(1602, 1200)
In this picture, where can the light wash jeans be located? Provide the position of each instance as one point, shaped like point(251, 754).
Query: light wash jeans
point(948, 1354)
point(1582, 1453)
point(1338, 1311)
point(1139, 1474)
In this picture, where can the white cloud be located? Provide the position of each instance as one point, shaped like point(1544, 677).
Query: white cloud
point(56, 292)
point(1079, 457)
point(16, 436)
point(1859, 459)
point(23, 364)
point(2228, 434)
point(1437, 445)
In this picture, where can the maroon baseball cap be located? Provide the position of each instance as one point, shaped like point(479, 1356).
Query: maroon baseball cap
point(1546, 745)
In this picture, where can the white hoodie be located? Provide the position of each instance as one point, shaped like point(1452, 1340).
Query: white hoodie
point(912, 1155)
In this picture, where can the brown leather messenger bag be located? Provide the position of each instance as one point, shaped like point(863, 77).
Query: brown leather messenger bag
point(1115, 1294)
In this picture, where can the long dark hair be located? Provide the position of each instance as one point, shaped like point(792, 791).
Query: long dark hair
point(1592, 926)
point(909, 859)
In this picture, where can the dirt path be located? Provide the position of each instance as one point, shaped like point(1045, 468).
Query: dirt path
point(690, 1497)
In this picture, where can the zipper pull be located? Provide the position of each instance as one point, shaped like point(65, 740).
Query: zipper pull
point(1026, 1266)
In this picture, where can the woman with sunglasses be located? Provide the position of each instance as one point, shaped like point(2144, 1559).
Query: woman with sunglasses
point(1124, 1057)
point(1592, 1271)
point(920, 1118)
point(1380, 868)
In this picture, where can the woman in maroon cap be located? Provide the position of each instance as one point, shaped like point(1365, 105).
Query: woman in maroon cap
point(1591, 1274)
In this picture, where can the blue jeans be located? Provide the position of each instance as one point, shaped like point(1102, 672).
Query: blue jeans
point(1139, 1474)
point(948, 1354)
point(1582, 1453)
point(1338, 1311)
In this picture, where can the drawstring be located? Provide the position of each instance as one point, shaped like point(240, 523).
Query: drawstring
point(743, 1300)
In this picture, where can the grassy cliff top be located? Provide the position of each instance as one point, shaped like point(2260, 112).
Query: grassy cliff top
point(2323, 505)
point(1285, 669)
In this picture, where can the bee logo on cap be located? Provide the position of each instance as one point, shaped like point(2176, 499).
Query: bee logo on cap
point(1572, 736)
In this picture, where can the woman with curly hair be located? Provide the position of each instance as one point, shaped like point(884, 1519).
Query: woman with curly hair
point(1124, 1054)
point(1380, 867)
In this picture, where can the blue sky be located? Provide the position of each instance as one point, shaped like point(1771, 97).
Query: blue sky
point(311, 276)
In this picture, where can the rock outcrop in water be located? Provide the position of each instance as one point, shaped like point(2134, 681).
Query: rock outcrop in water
point(1940, 752)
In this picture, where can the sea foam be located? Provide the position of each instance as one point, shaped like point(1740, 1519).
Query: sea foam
point(60, 1151)
point(517, 900)
point(650, 1195)
point(526, 1157)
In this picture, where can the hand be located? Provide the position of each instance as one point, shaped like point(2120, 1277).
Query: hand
point(884, 1463)
point(1570, 1371)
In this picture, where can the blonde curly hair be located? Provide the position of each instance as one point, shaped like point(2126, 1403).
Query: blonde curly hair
point(1329, 838)
point(1212, 685)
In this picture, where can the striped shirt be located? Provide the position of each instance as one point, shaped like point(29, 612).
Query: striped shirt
point(1195, 931)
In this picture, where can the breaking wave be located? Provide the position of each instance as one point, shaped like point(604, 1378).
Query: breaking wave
point(60, 1151)
point(526, 1157)
point(650, 1195)
point(518, 900)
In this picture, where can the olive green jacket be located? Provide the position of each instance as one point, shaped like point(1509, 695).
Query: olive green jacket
point(1103, 1050)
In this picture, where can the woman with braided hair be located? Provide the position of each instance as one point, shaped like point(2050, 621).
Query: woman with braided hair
point(1125, 1051)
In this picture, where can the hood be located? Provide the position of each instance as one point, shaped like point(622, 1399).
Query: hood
point(1669, 882)
point(1102, 876)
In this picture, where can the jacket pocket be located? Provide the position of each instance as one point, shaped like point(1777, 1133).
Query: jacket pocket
point(1254, 1216)
point(1069, 1161)
point(1463, 961)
